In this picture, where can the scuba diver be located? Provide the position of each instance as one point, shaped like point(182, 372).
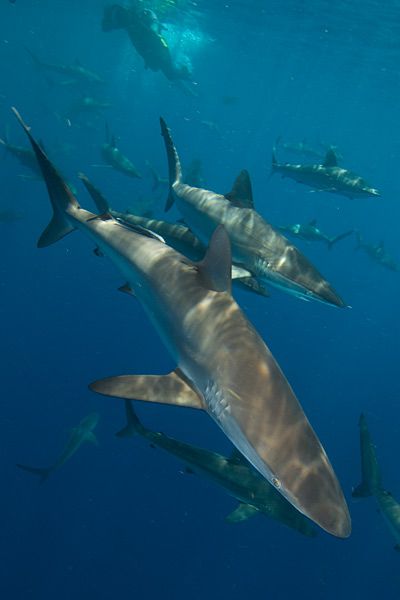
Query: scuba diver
point(144, 31)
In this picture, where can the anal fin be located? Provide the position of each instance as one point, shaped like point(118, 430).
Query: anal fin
point(165, 389)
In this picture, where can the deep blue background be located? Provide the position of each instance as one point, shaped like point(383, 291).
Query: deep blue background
point(122, 520)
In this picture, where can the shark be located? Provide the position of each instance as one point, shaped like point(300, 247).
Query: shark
point(371, 483)
point(234, 474)
point(79, 435)
point(113, 156)
point(260, 249)
point(326, 177)
point(176, 235)
point(223, 365)
point(377, 253)
point(311, 233)
point(76, 72)
point(25, 156)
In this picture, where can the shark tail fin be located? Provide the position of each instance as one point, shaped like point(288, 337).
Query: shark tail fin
point(274, 163)
point(61, 197)
point(371, 476)
point(154, 175)
point(337, 238)
point(174, 165)
point(133, 425)
point(97, 197)
point(42, 473)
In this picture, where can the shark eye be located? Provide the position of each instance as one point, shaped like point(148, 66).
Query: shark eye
point(276, 483)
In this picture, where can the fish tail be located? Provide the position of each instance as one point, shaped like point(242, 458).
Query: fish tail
point(61, 197)
point(43, 473)
point(133, 424)
point(174, 165)
point(337, 238)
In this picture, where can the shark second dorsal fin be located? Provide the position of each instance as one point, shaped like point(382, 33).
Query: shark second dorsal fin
point(330, 158)
point(216, 267)
point(165, 389)
point(242, 513)
point(241, 193)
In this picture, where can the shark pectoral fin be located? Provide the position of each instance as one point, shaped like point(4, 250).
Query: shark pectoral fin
point(240, 272)
point(241, 194)
point(165, 389)
point(361, 491)
point(127, 289)
point(242, 513)
point(216, 267)
point(90, 437)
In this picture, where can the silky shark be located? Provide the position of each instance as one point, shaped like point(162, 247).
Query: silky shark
point(371, 483)
point(235, 474)
point(176, 235)
point(75, 71)
point(256, 245)
point(113, 156)
point(80, 434)
point(311, 233)
point(326, 177)
point(377, 253)
point(223, 365)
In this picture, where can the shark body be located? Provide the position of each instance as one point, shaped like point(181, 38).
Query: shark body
point(311, 233)
point(74, 71)
point(113, 156)
point(256, 245)
point(79, 435)
point(326, 177)
point(176, 235)
point(377, 253)
point(234, 474)
point(224, 367)
point(371, 483)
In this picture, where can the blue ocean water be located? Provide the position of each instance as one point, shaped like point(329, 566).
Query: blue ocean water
point(123, 519)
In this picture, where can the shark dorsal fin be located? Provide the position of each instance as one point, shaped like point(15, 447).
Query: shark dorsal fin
point(330, 158)
point(313, 222)
point(216, 267)
point(241, 193)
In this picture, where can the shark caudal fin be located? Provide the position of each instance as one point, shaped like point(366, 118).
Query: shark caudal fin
point(133, 425)
point(61, 197)
point(42, 473)
point(174, 165)
point(337, 238)
point(371, 481)
point(97, 197)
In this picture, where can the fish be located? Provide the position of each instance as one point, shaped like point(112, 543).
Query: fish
point(176, 235)
point(25, 156)
point(326, 177)
point(311, 233)
point(371, 483)
point(113, 156)
point(223, 365)
point(87, 104)
point(301, 148)
point(235, 474)
point(261, 250)
point(79, 435)
point(377, 253)
point(76, 71)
